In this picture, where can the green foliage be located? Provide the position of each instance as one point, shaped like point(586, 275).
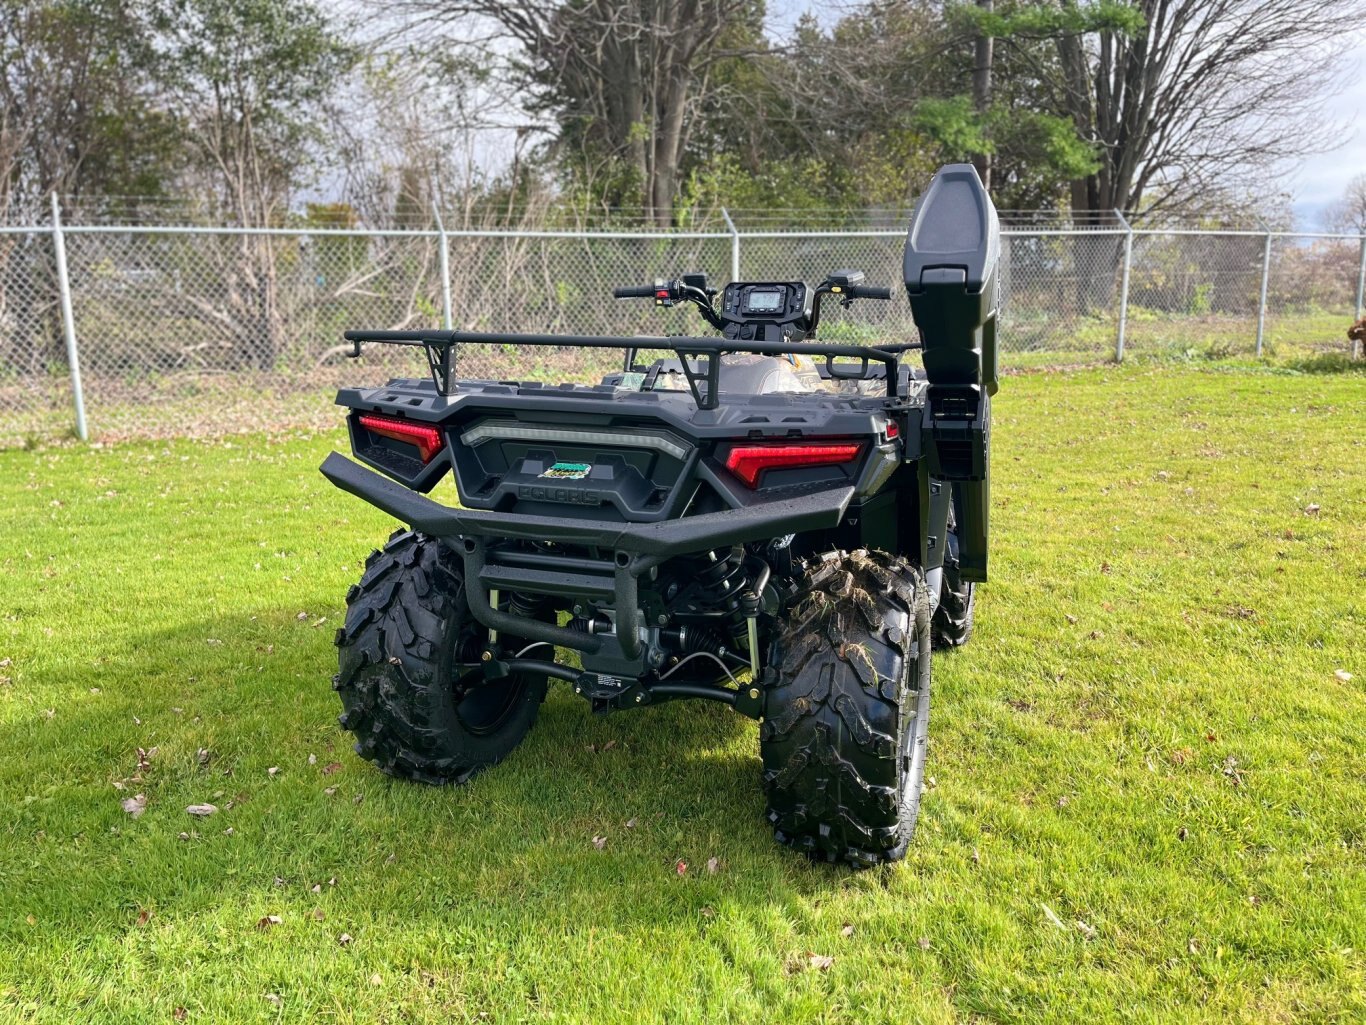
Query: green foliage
point(954, 125)
point(1037, 20)
point(247, 78)
point(1201, 300)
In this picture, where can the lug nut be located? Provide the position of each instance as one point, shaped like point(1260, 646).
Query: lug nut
point(486, 656)
point(754, 693)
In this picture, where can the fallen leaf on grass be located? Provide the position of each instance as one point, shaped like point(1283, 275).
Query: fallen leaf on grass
point(1070, 618)
point(630, 823)
point(1086, 930)
point(681, 867)
point(145, 756)
point(301, 616)
point(269, 920)
point(274, 770)
point(318, 914)
point(332, 768)
point(344, 940)
point(847, 931)
point(274, 998)
point(179, 1014)
point(316, 888)
point(143, 916)
point(820, 962)
point(135, 805)
point(1343, 675)
point(923, 943)
point(713, 866)
point(1312, 509)
point(202, 810)
point(600, 842)
point(357, 799)
point(203, 756)
point(377, 979)
point(312, 759)
point(329, 791)
point(1052, 917)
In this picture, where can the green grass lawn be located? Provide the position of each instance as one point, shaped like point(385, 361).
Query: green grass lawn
point(1148, 794)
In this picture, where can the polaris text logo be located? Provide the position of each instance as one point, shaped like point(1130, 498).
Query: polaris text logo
point(537, 493)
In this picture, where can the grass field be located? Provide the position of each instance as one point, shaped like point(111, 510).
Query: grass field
point(1149, 767)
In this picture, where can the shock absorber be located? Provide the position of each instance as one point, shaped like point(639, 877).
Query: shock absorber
point(525, 606)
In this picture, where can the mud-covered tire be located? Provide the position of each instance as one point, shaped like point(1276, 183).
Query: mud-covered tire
point(408, 633)
point(952, 623)
point(846, 723)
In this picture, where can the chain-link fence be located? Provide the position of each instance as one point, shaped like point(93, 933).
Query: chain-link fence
point(190, 330)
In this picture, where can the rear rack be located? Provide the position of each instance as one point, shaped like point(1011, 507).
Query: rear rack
point(440, 347)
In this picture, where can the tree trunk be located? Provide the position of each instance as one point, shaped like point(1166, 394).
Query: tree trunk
point(981, 89)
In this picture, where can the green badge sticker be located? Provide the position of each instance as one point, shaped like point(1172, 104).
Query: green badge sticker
point(568, 471)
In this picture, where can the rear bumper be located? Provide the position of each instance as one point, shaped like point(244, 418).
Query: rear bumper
point(636, 548)
point(821, 510)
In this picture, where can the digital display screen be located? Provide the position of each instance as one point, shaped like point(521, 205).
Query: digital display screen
point(767, 301)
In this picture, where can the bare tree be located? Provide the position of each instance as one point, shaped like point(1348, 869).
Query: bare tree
point(1208, 91)
point(1348, 214)
point(247, 79)
point(619, 78)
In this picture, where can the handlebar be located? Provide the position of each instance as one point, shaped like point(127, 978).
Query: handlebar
point(634, 292)
point(868, 292)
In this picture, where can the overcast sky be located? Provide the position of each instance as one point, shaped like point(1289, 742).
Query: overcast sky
point(1323, 178)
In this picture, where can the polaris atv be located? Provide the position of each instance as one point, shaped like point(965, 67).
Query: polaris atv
point(762, 519)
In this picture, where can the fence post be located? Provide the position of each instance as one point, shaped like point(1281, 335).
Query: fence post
point(1361, 293)
point(73, 357)
point(734, 245)
point(1124, 286)
point(1261, 302)
point(444, 259)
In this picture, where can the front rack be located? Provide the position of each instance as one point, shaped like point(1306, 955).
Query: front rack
point(440, 347)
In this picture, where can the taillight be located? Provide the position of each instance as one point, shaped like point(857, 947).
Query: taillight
point(424, 436)
point(749, 461)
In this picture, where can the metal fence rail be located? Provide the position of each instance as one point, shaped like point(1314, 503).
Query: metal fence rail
point(118, 331)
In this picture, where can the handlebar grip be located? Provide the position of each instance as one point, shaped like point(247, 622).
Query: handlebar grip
point(634, 292)
point(870, 292)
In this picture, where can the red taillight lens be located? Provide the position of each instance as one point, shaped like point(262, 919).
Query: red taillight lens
point(749, 461)
point(424, 436)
